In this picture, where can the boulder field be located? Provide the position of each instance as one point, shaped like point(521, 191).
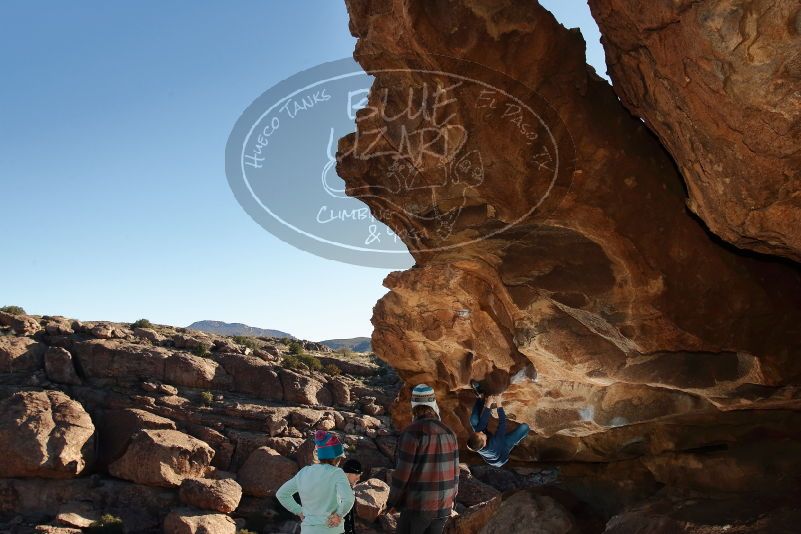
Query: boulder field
point(171, 430)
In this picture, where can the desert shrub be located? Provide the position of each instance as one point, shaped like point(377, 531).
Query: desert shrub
point(345, 351)
point(13, 310)
point(302, 361)
point(311, 362)
point(246, 341)
point(201, 351)
point(142, 323)
point(295, 348)
point(107, 524)
point(332, 370)
point(291, 361)
point(206, 398)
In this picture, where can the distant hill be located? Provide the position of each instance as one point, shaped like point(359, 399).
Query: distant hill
point(356, 344)
point(235, 329)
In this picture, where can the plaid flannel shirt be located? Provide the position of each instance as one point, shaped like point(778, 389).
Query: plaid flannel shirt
point(426, 475)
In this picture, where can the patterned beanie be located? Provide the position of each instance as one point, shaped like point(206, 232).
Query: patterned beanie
point(423, 395)
point(328, 445)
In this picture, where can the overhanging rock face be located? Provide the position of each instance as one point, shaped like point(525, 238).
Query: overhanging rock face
point(584, 263)
point(720, 83)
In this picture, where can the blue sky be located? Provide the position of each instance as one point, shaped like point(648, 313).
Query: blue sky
point(113, 197)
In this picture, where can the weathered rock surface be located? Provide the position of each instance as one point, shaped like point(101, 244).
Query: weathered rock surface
point(77, 514)
point(20, 354)
point(156, 427)
point(302, 389)
point(60, 366)
point(189, 521)
point(371, 498)
point(44, 434)
point(526, 512)
point(23, 325)
point(721, 515)
point(264, 472)
point(588, 270)
point(162, 458)
point(222, 495)
point(118, 427)
point(112, 358)
point(718, 83)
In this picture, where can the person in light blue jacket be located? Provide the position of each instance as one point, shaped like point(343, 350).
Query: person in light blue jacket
point(324, 489)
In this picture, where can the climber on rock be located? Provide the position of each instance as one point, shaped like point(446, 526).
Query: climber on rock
point(494, 447)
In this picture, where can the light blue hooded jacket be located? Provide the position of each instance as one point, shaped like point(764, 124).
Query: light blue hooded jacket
point(323, 489)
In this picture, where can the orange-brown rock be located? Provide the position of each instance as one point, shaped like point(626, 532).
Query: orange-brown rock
point(718, 81)
point(371, 498)
point(23, 325)
point(190, 521)
point(162, 458)
point(588, 269)
point(20, 354)
point(526, 512)
point(264, 472)
point(60, 366)
point(218, 495)
point(118, 427)
point(44, 434)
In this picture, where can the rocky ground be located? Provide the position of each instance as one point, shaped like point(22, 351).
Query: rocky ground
point(174, 429)
point(169, 430)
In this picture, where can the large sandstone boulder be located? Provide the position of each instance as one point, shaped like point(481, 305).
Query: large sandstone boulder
point(302, 389)
point(264, 472)
point(60, 366)
point(59, 326)
point(567, 264)
point(473, 491)
point(252, 375)
point(371, 498)
point(197, 341)
point(44, 434)
point(718, 81)
point(149, 334)
point(77, 514)
point(117, 427)
point(189, 521)
point(162, 458)
point(188, 370)
point(112, 358)
point(528, 513)
point(340, 391)
point(20, 354)
point(221, 495)
point(22, 325)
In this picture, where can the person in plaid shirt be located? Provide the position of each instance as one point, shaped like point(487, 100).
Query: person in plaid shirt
point(426, 476)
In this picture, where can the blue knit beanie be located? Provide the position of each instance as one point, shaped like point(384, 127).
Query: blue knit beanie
point(328, 445)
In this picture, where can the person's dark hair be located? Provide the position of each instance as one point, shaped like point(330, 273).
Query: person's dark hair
point(475, 442)
point(352, 466)
point(422, 410)
point(332, 461)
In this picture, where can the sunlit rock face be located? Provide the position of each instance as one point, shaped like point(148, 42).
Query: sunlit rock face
point(719, 82)
point(648, 335)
